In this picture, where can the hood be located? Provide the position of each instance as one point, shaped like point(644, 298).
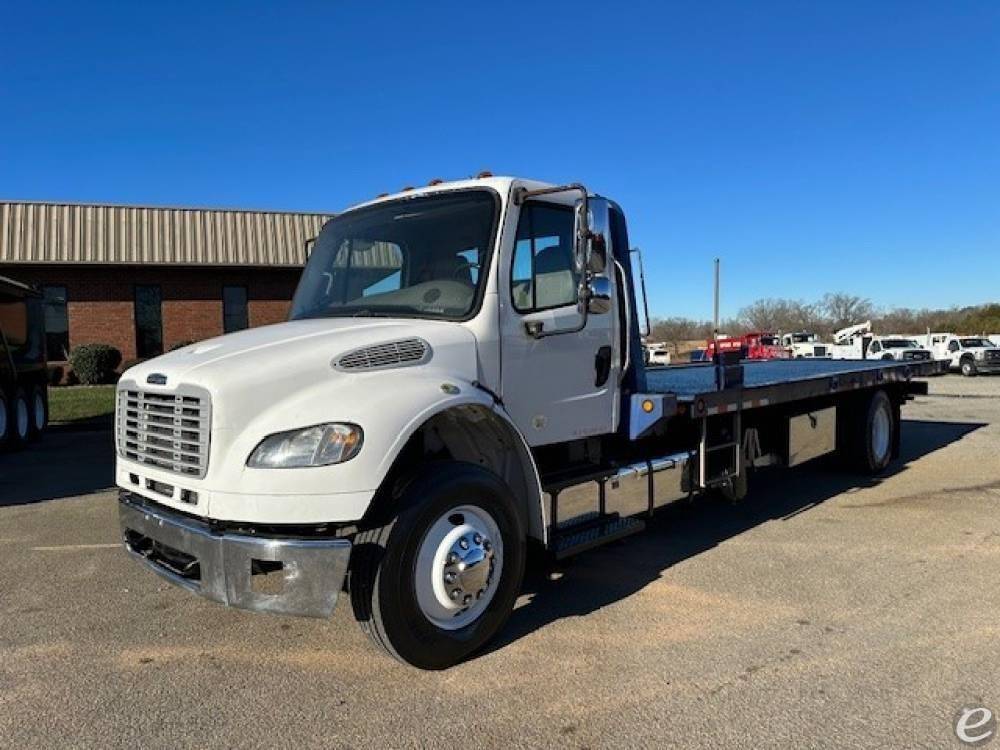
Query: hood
point(267, 356)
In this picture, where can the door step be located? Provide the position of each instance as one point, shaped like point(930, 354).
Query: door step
point(572, 541)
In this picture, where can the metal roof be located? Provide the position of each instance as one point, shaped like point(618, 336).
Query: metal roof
point(91, 233)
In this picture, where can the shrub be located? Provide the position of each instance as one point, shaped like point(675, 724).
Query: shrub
point(95, 363)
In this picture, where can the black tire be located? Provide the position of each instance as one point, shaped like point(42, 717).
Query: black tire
point(887, 356)
point(968, 367)
point(868, 441)
point(38, 409)
point(19, 416)
point(383, 566)
point(5, 422)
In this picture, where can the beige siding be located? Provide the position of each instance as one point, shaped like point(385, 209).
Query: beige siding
point(70, 233)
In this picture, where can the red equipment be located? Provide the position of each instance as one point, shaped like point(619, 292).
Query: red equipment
point(751, 346)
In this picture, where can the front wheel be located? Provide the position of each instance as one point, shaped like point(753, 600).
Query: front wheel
point(440, 578)
point(968, 368)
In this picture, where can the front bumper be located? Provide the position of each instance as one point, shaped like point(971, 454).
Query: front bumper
point(987, 367)
point(308, 573)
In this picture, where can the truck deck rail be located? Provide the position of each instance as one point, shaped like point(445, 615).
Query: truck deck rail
point(770, 382)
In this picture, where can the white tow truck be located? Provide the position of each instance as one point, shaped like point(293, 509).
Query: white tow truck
point(971, 355)
point(461, 376)
point(805, 345)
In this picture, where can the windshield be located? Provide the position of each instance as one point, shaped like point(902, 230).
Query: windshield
point(420, 257)
point(769, 340)
point(975, 342)
point(900, 344)
point(802, 338)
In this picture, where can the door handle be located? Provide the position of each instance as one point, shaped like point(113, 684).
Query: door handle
point(602, 366)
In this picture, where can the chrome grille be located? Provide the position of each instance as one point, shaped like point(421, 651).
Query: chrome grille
point(166, 430)
point(390, 354)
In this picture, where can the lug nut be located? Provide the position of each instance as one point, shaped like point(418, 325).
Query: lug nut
point(478, 538)
point(463, 543)
point(455, 593)
point(479, 594)
point(487, 545)
point(467, 599)
point(449, 577)
point(452, 558)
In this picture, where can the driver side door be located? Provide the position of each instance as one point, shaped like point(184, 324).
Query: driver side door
point(561, 387)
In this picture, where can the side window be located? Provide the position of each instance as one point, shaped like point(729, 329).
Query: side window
point(953, 346)
point(876, 346)
point(543, 276)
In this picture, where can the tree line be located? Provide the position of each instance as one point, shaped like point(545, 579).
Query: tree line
point(824, 317)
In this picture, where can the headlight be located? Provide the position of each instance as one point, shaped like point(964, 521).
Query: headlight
point(319, 445)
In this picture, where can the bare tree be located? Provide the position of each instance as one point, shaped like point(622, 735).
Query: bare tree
point(842, 309)
point(780, 315)
point(674, 331)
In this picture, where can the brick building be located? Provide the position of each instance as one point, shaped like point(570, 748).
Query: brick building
point(144, 279)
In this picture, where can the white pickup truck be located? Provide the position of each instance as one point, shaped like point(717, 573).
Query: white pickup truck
point(897, 347)
point(971, 355)
point(461, 376)
point(804, 345)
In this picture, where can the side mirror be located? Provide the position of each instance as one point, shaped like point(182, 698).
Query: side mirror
point(599, 298)
point(592, 233)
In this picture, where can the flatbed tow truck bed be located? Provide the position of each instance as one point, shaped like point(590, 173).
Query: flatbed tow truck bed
point(770, 382)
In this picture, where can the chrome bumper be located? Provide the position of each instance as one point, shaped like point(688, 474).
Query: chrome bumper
point(222, 567)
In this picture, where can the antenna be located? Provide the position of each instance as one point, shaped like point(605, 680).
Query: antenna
point(715, 315)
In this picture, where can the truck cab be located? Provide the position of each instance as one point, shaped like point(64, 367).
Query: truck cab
point(970, 355)
point(804, 345)
point(898, 348)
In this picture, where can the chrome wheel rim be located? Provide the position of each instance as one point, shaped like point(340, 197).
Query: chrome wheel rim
point(880, 434)
point(39, 411)
point(22, 418)
point(458, 567)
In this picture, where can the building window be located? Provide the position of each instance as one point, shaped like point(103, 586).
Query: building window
point(544, 275)
point(148, 321)
point(234, 308)
point(56, 322)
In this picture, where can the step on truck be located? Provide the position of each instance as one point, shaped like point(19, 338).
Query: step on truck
point(461, 377)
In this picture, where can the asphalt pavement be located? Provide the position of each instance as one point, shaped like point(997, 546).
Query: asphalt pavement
point(823, 611)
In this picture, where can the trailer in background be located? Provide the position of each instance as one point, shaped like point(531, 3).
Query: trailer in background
point(23, 371)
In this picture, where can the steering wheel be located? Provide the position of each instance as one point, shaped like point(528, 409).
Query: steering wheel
point(465, 267)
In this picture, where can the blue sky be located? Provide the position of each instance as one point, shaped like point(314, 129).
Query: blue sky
point(814, 146)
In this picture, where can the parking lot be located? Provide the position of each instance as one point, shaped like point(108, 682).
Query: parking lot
point(821, 611)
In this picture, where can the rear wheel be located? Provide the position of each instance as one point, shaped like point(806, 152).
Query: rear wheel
point(5, 421)
point(439, 578)
point(19, 415)
point(39, 410)
point(868, 439)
